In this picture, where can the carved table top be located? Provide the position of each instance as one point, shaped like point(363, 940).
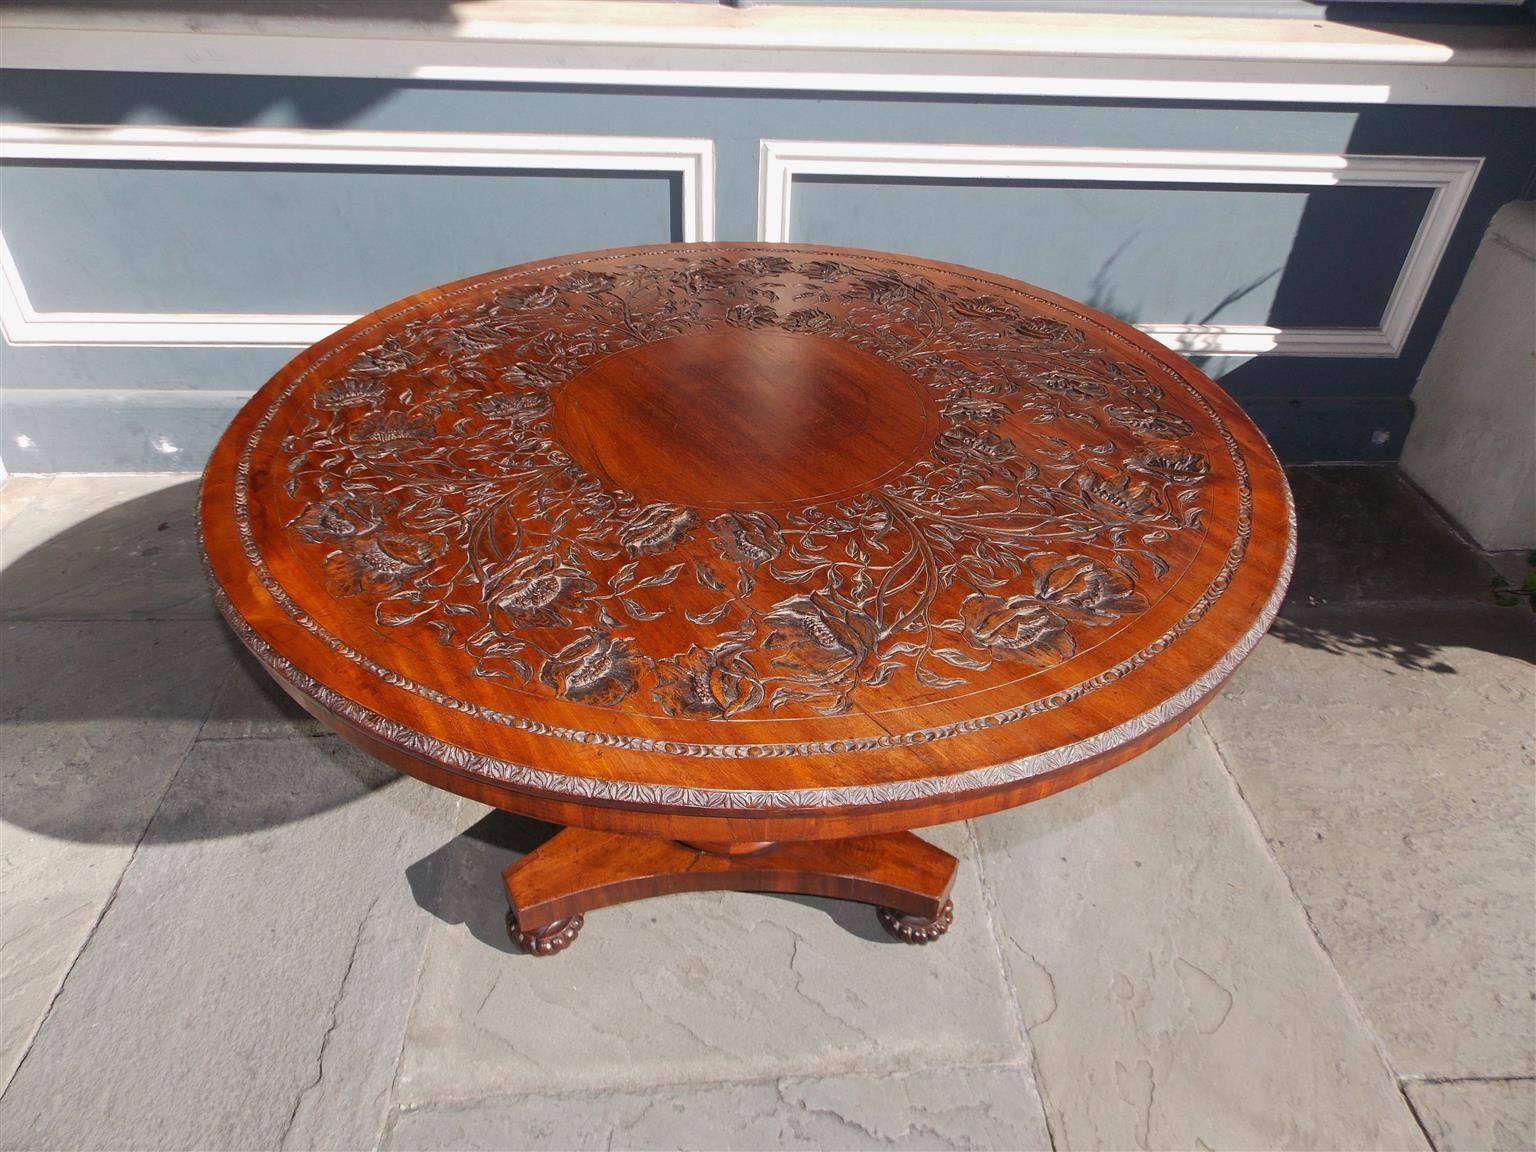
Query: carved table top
point(747, 529)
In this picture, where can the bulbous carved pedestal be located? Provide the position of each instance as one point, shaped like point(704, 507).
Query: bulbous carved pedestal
point(742, 560)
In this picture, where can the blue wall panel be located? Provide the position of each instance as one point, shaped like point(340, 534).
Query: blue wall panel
point(238, 238)
point(1178, 253)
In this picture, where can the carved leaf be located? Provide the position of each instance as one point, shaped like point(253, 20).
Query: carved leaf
point(661, 578)
point(636, 612)
point(960, 659)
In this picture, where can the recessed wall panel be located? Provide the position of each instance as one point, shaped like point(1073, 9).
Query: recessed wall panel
point(108, 237)
point(1149, 253)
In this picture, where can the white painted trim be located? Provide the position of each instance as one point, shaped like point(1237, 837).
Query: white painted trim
point(1450, 178)
point(21, 323)
point(974, 52)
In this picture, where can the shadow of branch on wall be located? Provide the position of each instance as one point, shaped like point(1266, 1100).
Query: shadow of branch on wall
point(1101, 289)
point(1103, 294)
point(1237, 294)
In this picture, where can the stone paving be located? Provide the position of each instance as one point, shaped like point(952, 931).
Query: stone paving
point(1308, 920)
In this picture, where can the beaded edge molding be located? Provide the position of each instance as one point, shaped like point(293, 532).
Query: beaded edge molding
point(711, 800)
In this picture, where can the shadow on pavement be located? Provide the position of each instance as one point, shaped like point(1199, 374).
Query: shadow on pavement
point(460, 883)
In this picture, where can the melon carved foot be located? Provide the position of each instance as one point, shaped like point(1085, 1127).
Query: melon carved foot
point(916, 929)
point(549, 939)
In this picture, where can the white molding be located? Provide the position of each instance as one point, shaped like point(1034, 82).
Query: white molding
point(973, 52)
point(21, 323)
point(1449, 177)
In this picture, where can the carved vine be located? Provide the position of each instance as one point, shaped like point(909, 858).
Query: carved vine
point(428, 479)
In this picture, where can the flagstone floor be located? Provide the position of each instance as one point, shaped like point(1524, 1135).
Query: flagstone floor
point(1306, 921)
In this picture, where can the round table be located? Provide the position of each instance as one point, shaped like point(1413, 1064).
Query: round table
point(741, 561)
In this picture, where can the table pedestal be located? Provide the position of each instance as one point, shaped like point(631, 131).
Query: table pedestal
point(906, 878)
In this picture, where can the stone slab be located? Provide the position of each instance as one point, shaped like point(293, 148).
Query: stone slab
point(248, 987)
point(1364, 534)
point(250, 704)
point(105, 548)
point(84, 759)
point(951, 1108)
point(1388, 756)
point(704, 986)
point(1172, 990)
point(16, 492)
point(1477, 1115)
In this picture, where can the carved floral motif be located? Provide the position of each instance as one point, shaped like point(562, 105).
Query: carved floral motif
point(430, 482)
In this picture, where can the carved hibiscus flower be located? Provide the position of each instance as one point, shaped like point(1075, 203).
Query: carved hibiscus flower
point(822, 270)
point(978, 444)
point(540, 589)
point(706, 276)
point(596, 668)
point(351, 392)
point(817, 636)
point(1116, 498)
point(1015, 628)
point(707, 683)
point(529, 296)
point(1150, 422)
point(983, 307)
point(764, 265)
point(656, 528)
point(1071, 384)
point(1083, 589)
point(991, 446)
point(389, 430)
point(1170, 462)
point(981, 384)
point(751, 316)
point(808, 320)
point(748, 538)
point(378, 563)
point(1035, 628)
point(342, 518)
point(886, 289)
point(521, 405)
point(1041, 328)
point(584, 280)
point(388, 356)
point(976, 410)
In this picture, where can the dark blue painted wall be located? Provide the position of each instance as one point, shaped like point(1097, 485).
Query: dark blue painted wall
point(151, 238)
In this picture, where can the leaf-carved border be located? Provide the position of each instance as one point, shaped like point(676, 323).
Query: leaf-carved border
point(711, 800)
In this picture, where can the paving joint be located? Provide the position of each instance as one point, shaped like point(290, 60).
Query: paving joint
point(629, 1088)
point(1016, 1010)
point(1361, 1018)
point(111, 899)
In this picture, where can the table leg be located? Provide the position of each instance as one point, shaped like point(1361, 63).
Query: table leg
point(906, 878)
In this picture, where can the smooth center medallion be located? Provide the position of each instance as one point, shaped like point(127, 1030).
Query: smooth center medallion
point(736, 418)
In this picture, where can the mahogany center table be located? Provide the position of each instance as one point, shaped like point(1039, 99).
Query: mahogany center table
point(741, 561)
